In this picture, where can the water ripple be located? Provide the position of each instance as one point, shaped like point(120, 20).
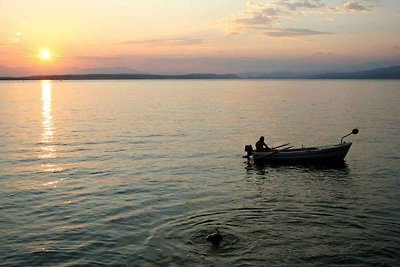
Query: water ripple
point(138, 173)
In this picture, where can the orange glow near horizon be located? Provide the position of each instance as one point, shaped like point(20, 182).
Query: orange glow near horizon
point(203, 36)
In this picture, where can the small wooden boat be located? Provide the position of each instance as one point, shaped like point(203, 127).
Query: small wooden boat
point(310, 155)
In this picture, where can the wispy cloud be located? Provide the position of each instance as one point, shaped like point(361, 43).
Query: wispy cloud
point(293, 32)
point(100, 58)
point(15, 39)
point(323, 53)
point(301, 4)
point(355, 6)
point(165, 42)
point(271, 14)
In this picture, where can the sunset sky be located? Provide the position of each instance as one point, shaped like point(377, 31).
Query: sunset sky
point(185, 36)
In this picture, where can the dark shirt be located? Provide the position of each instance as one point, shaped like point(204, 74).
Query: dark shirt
point(261, 146)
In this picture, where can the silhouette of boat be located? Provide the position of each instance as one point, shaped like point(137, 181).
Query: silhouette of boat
point(328, 154)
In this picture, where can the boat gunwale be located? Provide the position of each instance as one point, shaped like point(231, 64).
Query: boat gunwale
point(321, 154)
point(305, 150)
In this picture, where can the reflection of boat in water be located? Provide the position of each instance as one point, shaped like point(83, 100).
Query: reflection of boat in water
point(329, 154)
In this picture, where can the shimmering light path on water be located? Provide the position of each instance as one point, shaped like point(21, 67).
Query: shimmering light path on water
point(139, 172)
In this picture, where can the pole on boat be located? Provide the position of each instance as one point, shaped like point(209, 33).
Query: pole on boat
point(286, 148)
point(354, 131)
point(281, 146)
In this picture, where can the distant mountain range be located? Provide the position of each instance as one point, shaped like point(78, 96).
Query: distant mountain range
point(128, 74)
point(381, 73)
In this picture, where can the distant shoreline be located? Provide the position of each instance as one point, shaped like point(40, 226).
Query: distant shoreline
point(122, 77)
point(390, 73)
point(16, 79)
point(155, 77)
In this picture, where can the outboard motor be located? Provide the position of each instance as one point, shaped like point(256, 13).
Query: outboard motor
point(249, 150)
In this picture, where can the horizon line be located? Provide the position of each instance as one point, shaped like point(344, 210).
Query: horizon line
point(392, 72)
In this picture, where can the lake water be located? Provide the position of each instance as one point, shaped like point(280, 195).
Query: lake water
point(138, 173)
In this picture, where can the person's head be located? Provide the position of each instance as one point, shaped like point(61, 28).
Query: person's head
point(262, 138)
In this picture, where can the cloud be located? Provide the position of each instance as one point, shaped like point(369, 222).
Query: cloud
point(258, 14)
point(292, 5)
point(355, 6)
point(271, 14)
point(166, 42)
point(15, 39)
point(302, 4)
point(323, 53)
point(255, 19)
point(293, 32)
point(89, 61)
point(100, 58)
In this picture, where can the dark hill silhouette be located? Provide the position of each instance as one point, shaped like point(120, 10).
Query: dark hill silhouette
point(382, 73)
point(123, 77)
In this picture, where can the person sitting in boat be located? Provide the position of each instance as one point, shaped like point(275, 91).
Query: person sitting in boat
point(261, 146)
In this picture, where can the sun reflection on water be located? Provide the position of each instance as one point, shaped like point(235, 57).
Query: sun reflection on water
point(47, 122)
point(48, 149)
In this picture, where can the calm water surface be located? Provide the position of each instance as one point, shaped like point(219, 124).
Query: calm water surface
point(139, 172)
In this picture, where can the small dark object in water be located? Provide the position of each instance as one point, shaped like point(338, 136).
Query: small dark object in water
point(214, 238)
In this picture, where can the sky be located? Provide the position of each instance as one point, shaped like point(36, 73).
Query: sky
point(197, 36)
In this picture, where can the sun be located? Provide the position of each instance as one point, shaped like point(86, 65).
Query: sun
point(45, 55)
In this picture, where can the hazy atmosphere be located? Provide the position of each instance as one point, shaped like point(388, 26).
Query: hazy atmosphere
point(199, 133)
point(175, 36)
